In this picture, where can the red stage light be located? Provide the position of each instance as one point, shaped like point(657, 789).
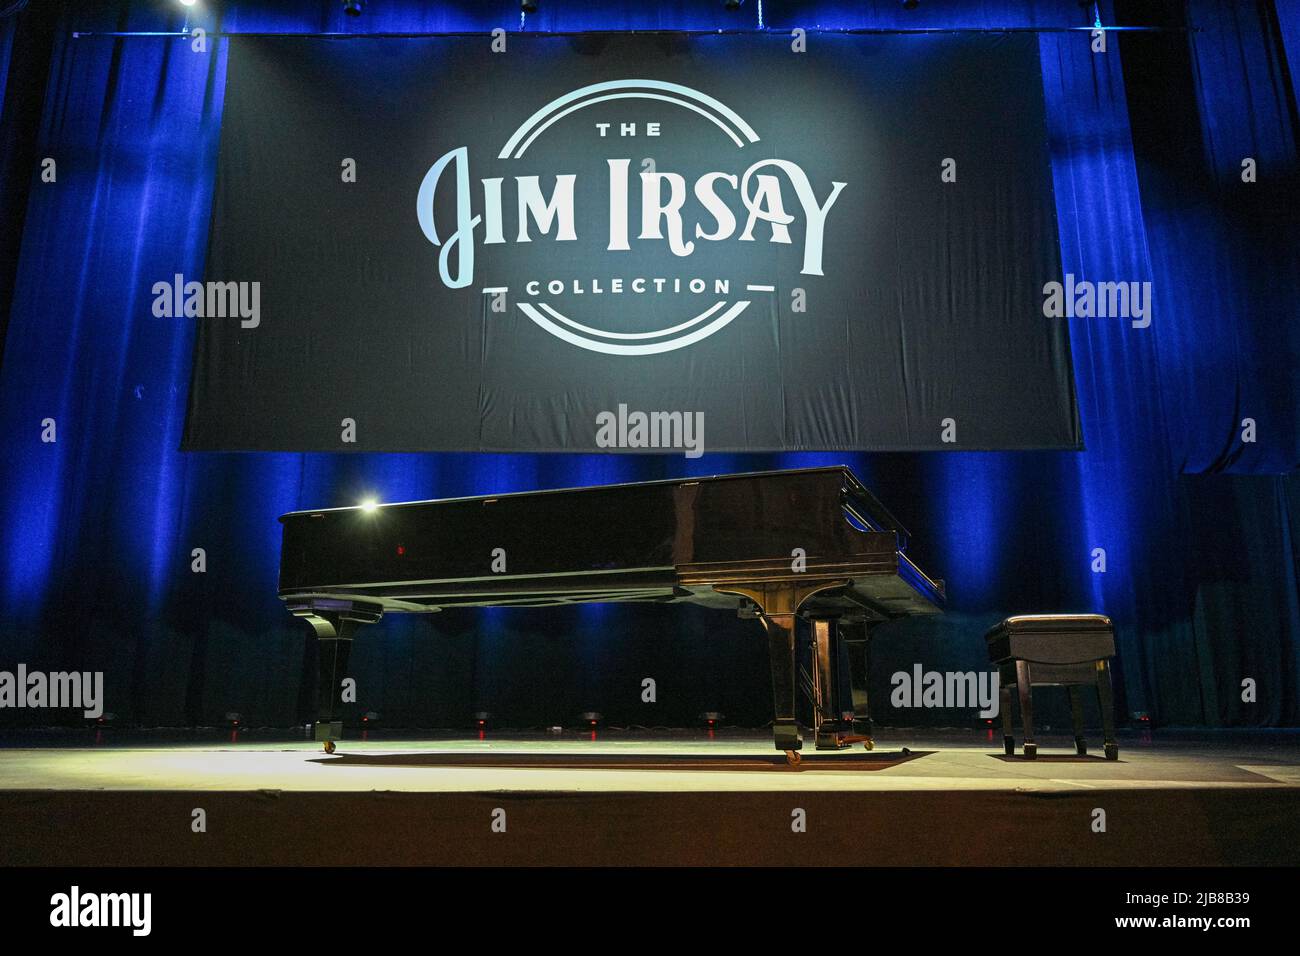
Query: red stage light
point(401, 550)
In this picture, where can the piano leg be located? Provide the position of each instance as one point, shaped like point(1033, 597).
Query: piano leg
point(335, 624)
point(778, 604)
point(333, 656)
point(780, 647)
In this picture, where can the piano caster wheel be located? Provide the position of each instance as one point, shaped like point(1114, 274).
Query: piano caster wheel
point(330, 747)
point(868, 744)
point(1112, 751)
point(792, 758)
point(1031, 751)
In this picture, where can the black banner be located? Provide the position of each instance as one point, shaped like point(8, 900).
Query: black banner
point(625, 242)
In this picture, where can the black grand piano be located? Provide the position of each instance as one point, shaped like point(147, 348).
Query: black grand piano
point(809, 552)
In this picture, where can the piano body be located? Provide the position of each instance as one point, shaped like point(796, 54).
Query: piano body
point(807, 544)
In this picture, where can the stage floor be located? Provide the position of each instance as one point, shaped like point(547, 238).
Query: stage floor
point(650, 797)
point(647, 761)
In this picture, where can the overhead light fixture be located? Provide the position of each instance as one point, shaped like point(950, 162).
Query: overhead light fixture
point(187, 3)
point(528, 6)
point(369, 505)
point(732, 4)
point(352, 7)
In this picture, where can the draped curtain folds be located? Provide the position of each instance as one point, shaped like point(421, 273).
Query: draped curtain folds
point(1199, 528)
point(7, 25)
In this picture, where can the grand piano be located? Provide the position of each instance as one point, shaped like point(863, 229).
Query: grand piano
point(810, 553)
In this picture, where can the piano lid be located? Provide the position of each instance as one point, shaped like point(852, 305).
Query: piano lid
point(860, 505)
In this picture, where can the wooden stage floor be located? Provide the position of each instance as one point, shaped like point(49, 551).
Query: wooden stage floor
point(653, 798)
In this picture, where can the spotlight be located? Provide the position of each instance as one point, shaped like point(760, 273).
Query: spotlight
point(712, 718)
point(369, 505)
point(234, 718)
point(481, 717)
point(732, 4)
point(528, 6)
point(592, 717)
point(370, 717)
point(187, 3)
point(352, 7)
point(911, 4)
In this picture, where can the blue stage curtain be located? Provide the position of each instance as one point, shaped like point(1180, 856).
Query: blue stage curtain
point(7, 26)
point(98, 528)
point(1224, 252)
point(1288, 17)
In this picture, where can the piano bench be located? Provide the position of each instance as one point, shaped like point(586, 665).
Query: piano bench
point(1067, 650)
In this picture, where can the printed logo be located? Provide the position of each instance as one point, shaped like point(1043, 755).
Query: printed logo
point(757, 201)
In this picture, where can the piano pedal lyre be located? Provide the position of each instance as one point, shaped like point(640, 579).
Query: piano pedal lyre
point(842, 741)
